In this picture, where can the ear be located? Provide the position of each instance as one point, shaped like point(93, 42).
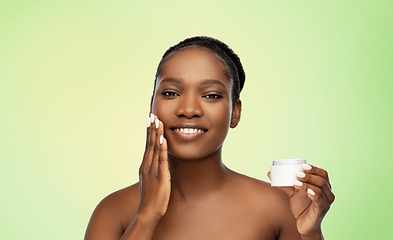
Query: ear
point(236, 112)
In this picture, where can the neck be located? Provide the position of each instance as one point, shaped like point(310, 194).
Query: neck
point(196, 177)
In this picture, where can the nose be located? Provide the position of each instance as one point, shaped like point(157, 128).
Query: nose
point(189, 107)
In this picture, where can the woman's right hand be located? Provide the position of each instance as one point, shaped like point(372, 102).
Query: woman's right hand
point(154, 175)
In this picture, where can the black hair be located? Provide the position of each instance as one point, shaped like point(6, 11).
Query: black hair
point(233, 66)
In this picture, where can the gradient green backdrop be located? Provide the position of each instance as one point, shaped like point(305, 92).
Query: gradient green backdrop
point(76, 79)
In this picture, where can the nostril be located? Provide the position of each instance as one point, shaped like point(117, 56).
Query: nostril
point(189, 109)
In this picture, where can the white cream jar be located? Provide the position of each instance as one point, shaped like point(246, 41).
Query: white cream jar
point(283, 171)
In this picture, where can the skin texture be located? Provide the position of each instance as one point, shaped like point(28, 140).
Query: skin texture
point(185, 191)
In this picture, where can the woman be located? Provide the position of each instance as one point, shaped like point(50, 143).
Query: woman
point(185, 191)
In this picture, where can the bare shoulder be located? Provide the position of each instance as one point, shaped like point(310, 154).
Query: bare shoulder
point(260, 191)
point(123, 196)
point(112, 214)
point(270, 202)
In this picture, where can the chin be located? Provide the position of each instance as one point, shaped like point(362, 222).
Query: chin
point(190, 153)
point(182, 155)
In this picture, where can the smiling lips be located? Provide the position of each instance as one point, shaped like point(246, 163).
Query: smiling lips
point(188, 133)
point(189, 130)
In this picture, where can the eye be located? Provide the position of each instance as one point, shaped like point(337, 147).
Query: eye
point(169, 94)
point(213, 96)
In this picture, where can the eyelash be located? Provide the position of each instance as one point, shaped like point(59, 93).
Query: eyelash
point(212, 96)
point(169, 94)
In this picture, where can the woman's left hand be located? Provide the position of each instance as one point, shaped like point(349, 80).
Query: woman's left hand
point(310, 198)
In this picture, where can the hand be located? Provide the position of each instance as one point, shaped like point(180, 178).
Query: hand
point(154, 175)
point(310, 198)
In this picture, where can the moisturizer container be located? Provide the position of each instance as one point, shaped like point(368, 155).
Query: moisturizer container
point(283, 171)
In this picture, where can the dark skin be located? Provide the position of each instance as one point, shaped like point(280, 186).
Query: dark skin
point(185, 191)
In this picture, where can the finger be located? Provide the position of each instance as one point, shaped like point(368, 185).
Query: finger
point(308, 168)
point(268, 174)
point(315, 194)
point(147, 143)
point(156, 153)
point(150, 145)
point(318, 181)
point(304, 187)
point(163, 163)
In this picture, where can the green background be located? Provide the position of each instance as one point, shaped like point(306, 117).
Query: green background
point(75, 85)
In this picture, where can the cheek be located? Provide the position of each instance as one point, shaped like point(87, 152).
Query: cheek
point(221, 116)
point(155, 108)
point(164, 110)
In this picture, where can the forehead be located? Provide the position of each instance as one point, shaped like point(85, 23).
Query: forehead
point(194, 64)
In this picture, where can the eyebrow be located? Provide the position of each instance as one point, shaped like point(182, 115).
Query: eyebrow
point(171, 80)
point(211, 82)
point(204, 82)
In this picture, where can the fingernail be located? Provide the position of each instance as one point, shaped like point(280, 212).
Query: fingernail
point(306, 166)
point(300, 174)
point(297, 182)
point(157, 123)
point(311, 191)
point(151, 117)
point(161, 139)
point(148, 122)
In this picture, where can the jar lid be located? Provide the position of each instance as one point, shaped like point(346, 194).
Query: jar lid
point(289, 161)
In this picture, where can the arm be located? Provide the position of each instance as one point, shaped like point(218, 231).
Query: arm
point(316, 237)
point(154, 191)
point(310, 199)
point(141, 227)
point(286, 220)
point(314, 185)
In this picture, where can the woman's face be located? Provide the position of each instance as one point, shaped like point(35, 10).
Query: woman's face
point(193, 100)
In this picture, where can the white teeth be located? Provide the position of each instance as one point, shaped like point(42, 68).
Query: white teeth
point(189, 130)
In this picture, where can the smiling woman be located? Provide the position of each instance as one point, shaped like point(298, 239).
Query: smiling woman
point(200, 99)
point(185, 191)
